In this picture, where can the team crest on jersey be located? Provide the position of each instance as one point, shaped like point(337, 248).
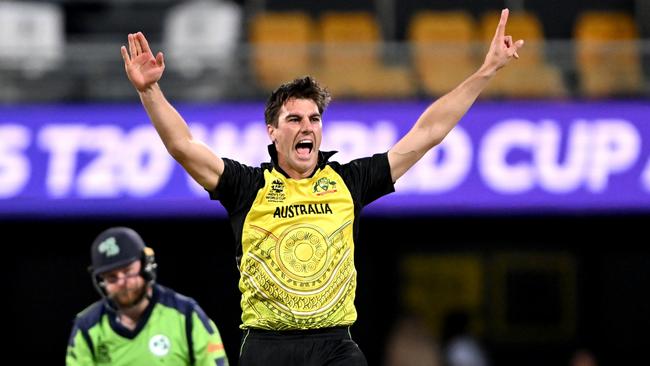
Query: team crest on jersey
point(324, 185)
point(276, 193)
point(159, 345)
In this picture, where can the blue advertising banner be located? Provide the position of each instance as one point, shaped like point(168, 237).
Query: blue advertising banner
point(508, 157)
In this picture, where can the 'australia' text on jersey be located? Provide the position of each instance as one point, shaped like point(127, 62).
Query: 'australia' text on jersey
point(297, 210)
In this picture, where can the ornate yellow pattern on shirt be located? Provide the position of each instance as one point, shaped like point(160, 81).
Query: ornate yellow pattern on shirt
point(297, 268)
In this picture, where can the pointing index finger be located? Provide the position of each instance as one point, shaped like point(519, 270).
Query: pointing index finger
point(501, 28)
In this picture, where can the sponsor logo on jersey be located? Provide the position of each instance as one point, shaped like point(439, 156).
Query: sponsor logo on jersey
point(102, 353)
point(302, 209)
point(215, 347)
point(324, 186)
point(276, 193)
point(159, 345)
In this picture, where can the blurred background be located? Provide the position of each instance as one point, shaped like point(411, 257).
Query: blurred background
point(519, 241)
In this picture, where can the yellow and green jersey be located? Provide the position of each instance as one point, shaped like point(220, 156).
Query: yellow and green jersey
point(296, 238)
point(173, 331)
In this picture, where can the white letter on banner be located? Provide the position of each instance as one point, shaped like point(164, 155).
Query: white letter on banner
point(100, 177)
point(616, 147)
point(384, 136)
point(62, 142)
point(14, 165)
point(497, 143)
point(354, 139)
point(224, 139)
point(251, 149)
point(246, 145)
point(146, 165)
point(567, 176)
point(349, 137)
point(442, 168)
point(645, 176)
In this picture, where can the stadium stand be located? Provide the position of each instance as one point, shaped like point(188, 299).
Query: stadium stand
point(280, 47)
point(442, 49)
point(607, 54)
point(351, 60)
point(32, 46)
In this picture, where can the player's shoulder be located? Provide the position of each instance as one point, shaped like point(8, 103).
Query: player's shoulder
point(333, 164)
point(91, 315)
point(235, 165)
point(170, 298)
point(183, 304)
point(376, 160)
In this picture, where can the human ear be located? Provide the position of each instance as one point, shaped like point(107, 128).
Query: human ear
point(270, 130)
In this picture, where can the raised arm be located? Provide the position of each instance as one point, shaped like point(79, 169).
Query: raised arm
point(441, 116)
point(144, 70)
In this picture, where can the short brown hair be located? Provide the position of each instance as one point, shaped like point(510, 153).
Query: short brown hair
point(301, 88)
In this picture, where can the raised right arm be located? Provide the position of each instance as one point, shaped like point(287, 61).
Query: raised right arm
point(144, 71)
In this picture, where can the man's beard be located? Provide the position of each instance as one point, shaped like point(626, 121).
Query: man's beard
point(129, 298)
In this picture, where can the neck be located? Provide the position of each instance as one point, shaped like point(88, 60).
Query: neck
point(294, 173)
point(130, 316)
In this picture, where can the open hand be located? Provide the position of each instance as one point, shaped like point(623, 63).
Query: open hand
point(502, 49)
point(142, 69)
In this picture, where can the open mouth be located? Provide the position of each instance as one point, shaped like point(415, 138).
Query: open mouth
point(304, 147)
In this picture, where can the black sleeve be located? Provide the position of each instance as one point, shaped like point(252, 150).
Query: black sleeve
point(238, 185)
point(368, 178)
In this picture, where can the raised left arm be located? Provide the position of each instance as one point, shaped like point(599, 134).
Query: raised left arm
point(441, 116)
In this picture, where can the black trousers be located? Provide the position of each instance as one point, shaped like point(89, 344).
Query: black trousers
point(317, 347)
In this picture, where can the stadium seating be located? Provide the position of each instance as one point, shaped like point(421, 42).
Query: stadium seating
point(33, 51)
point(33, 36)
point(442, 49)
point(200, 35)
point(351, 61)
point(281, 45)
point(607, 54)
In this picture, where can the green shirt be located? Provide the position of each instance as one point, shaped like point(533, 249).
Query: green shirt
point(173, 330)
